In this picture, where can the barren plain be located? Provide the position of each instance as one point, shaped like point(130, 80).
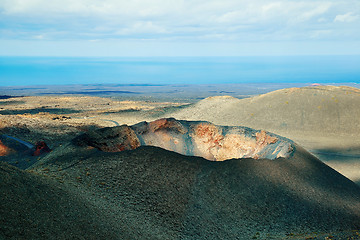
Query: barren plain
point(152, 192)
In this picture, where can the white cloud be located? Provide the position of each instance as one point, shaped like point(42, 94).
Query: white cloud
point(348, 17)
point(102, 8)
point(39, 37)
point(318, 10)
point(248, 20)
point(142, 27)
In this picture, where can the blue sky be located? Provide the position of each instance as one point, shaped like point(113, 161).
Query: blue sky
point(179, 27)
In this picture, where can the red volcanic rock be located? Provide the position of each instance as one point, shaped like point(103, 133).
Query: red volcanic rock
point(263, 139)
point(114, 139)
point(167, 124)
point(204, 139)
point(41, 148)
point(4, 150)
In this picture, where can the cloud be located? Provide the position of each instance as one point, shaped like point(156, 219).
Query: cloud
point(187, 20)
point(41, 36)
point(142, 27)
point(318, 10)
point(348, 17)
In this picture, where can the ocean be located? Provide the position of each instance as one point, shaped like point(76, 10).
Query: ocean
point(24, 71)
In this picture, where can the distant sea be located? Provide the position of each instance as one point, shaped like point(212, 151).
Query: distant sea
point(21, 71)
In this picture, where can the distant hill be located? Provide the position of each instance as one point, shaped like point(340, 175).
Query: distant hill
point(320, 111)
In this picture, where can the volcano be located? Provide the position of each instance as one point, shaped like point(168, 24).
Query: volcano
point(124, 183)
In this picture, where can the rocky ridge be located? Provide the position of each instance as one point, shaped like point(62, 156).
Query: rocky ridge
point(203, 139)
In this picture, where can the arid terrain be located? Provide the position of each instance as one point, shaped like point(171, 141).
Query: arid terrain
point(294, 171)
point(323, 119)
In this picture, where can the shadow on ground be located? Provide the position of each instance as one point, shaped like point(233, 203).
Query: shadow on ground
point(7, 96)
point(345, 155)
point(103, 92)
point(5, 103)
point(40, 110)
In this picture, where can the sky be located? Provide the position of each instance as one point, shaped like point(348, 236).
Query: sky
point(179, 27)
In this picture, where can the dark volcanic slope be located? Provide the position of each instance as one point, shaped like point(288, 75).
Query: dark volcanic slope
point(36, 207)
point(160, 194)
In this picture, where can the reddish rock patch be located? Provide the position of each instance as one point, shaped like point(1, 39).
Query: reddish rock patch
point(204, 139)
point(263, 139)
point(41, 148)
point(167, 124)
point(4, 150)
point(114, 139)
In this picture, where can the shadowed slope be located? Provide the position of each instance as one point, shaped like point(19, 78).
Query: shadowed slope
point(35, 207)
point(19, 153)
point(165, 195)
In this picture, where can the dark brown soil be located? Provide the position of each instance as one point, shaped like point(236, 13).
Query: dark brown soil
point(159, 194)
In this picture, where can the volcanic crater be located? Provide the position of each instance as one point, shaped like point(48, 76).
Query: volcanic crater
point(191, 138)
